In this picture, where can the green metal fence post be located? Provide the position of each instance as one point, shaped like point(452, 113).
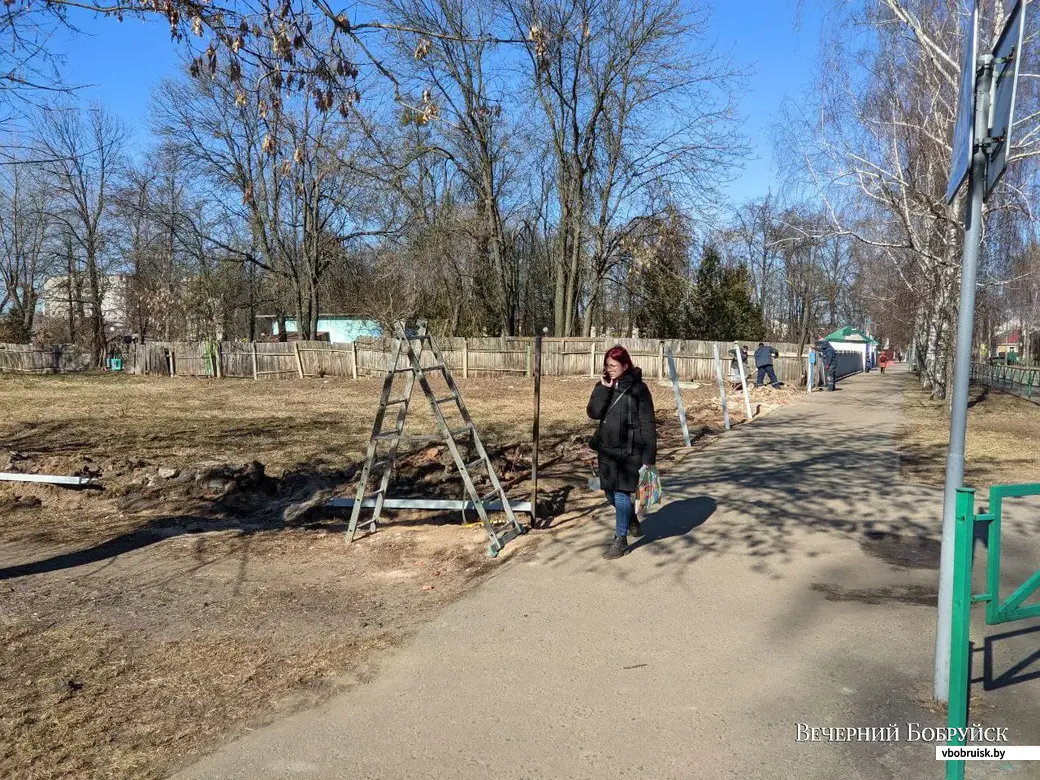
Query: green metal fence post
point(993, 606)
point(960, 651)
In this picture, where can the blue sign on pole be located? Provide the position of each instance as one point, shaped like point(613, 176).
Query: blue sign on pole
point(964, 129)
point(1007, 54)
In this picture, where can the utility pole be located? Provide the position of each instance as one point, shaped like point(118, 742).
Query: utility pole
point(961, 377)
point(981, 146)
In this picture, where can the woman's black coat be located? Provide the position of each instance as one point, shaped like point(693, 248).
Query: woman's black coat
point(627, 434)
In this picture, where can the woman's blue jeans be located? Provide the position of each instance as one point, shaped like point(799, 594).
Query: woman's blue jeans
point(624, 510)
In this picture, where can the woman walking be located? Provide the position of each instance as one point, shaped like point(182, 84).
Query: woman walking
point(625, 440)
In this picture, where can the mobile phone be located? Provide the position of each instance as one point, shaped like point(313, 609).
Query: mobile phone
point(606, 375)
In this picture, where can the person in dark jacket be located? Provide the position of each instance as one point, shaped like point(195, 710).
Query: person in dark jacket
point(830, 361)
point(764, 355)
point(625, 441)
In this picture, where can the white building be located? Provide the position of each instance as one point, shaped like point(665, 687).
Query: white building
point(55, 299)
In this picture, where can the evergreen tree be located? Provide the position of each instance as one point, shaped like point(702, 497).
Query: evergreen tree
point(722, 306)
point(664, 279)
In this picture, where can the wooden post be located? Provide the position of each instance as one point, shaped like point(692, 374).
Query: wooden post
point(256, 368)
point(219, 362)
point(592, 359)
point(299, 358)
point(353, 359)
point(465, 358)
point(173, 362)
point(680, 407)
point(527, 366)
point(537, 412)
point(660, 366)
point(722, 384)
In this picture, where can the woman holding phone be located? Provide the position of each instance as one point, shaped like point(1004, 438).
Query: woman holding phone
point(625, 441)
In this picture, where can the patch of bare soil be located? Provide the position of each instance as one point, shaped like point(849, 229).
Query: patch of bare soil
point(193, 598)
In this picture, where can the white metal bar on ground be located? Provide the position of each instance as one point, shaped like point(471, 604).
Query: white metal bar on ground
point(47, 478)
point(429, 503)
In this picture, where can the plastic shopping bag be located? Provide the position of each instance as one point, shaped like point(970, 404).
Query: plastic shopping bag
point(649, 488)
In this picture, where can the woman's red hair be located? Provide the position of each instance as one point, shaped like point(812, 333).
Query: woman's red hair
point(620, 354)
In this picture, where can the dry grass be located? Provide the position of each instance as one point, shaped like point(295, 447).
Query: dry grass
point(138, 665)
point(319, 423)
point(998, 448)
point(138, 635)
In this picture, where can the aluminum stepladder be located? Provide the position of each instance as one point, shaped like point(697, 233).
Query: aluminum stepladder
point(498, 535)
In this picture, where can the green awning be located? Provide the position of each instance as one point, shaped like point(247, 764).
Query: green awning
point(850, 335)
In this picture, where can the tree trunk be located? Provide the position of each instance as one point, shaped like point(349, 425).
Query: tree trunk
point(560, 263)
point(803, 337)
point(251, 277)
point(71, 287)
point(572, 276)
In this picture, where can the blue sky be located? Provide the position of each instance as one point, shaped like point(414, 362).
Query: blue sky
point(124, 61)
point(763, 34)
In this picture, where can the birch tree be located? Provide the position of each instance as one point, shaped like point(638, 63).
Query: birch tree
point(882, 129)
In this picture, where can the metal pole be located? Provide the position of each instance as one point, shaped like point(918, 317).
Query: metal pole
point(680, 407)
point(537, 411)
point(743, 383)
point(722, 385)
point(961, 377)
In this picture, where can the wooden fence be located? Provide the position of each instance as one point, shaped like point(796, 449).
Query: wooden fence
point(466, 357)
point(32, 359)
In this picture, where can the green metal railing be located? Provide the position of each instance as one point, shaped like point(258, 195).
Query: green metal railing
point(1016, 379)
point(997, 611)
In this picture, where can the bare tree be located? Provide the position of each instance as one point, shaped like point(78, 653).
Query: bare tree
point(757, 234)
point(83, 152)
point(25, 226)
point(455, 76)
point(631, 97)
point(286, 169)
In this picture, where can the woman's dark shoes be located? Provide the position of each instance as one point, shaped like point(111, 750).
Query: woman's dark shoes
point(634, 528)
point(617, 548)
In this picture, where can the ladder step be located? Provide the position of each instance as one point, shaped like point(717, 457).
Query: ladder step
point(461, 432)
point(474, 464)
point(447, 400)
point(417, 436)
point(397, 401)
point(489, 496)
point(424, 369)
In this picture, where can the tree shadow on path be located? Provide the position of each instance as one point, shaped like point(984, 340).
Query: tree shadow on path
point(676, 519)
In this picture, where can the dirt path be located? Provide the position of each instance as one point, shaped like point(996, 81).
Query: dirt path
point(789, 579)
